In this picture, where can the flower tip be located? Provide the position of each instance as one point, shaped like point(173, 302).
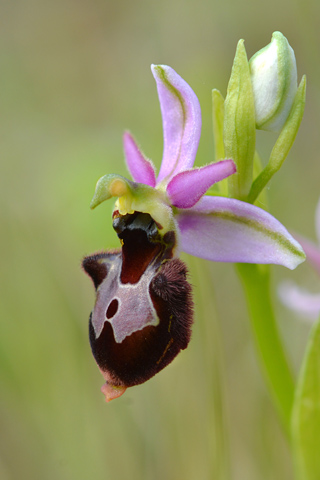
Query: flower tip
point(154, 67)
point(277, 34)
point(111, 392)
point(295, 259)
point(126, 136)
point(102, 191)
point(157, 67)
point(240, 46)
point(158, 71)
point(165, 75)
point(107, 187)
point(97, 199)
point(94, 203)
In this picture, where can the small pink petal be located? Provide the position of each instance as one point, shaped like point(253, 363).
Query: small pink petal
point(299, 300)
point(312, 252)
point(228, 230)
point(141, 169)
point(111, 392)
point(181, 118)
point(186, 188)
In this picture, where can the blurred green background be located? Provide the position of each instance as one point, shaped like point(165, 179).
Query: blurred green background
point(75, 75)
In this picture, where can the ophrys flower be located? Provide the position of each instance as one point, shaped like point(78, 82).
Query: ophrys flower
point(143, 311)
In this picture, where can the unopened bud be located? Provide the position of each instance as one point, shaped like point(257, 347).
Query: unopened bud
point(274, 81)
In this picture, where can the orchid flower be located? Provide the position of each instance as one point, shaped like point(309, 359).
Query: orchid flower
point(295, 297)
point(143, 312)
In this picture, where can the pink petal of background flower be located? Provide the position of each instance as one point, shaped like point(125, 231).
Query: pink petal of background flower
point(300, 300)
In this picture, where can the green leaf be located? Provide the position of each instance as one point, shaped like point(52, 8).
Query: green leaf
point(239, 124)
point(306, 412)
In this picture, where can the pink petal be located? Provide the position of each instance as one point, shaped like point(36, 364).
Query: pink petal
point(141, 169)
point(186, 188)
point(111, 392)
point(181, 118)
point(311, 250)
point(228, 230)
point(299, 300)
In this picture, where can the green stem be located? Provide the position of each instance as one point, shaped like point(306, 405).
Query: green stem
point(260, 183)
point(256, 283)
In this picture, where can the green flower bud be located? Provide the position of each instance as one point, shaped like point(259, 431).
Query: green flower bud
point(274, 81)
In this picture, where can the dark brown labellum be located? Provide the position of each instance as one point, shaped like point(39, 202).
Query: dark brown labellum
point(143, 312)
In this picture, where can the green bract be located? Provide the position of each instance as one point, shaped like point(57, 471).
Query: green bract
point(239, 124)
point(283, 144)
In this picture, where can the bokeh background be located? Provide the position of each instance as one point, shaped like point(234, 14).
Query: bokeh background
point(74, 74)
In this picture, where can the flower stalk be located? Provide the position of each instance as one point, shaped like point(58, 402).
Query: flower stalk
point(256, 283)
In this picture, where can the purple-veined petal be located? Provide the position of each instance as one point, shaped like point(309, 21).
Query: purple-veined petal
point(141, 169)
point(228, 230)
point(181, 119)
point(300, 300)
point(311, 250)
point(186, 188)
